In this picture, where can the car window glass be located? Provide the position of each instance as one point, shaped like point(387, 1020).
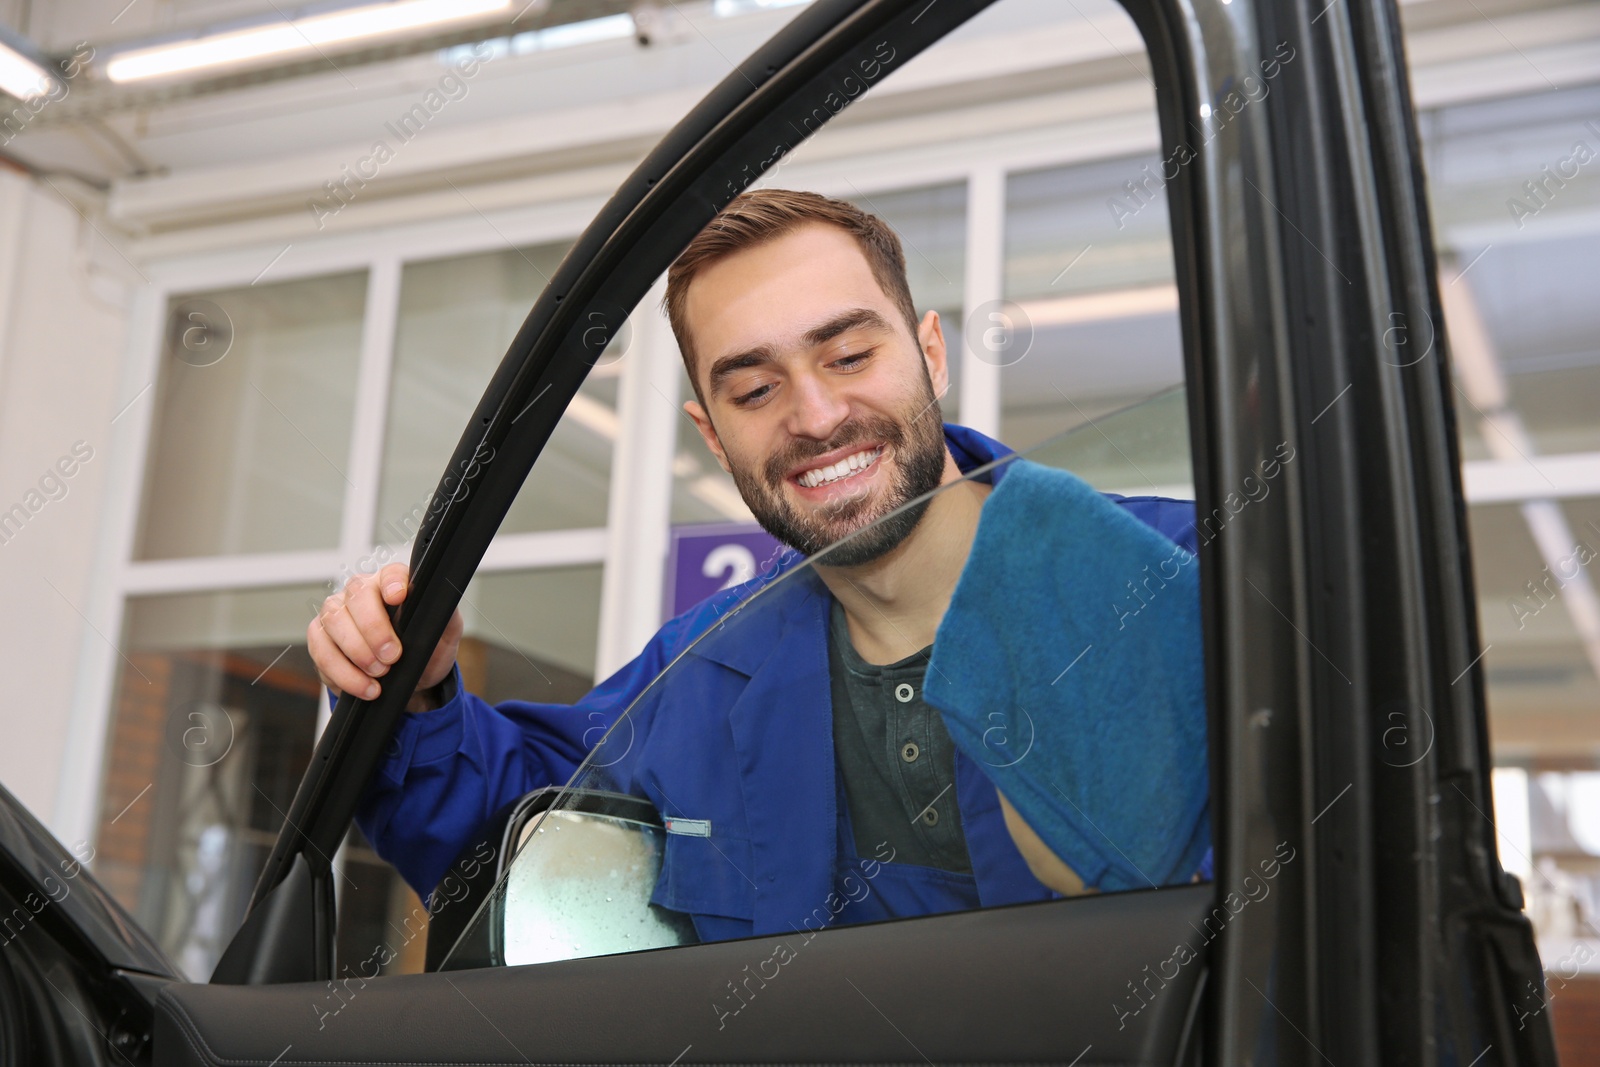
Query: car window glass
point(1066, 676)
point(807, 764)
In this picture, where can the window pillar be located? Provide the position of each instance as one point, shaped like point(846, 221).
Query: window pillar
point(639, 514)
point(984, 288)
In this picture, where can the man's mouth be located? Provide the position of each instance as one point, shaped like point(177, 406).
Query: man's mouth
point(837, 471)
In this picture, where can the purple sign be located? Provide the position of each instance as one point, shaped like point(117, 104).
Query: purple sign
point(706, 558)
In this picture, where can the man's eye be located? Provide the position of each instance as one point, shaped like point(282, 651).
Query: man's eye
point(744, 399)
point(854, 360)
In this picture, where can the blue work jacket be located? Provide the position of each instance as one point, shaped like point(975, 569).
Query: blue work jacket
point(736, 746)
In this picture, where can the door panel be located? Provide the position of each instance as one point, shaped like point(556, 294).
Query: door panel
point(77, 976)
point(1093, 978)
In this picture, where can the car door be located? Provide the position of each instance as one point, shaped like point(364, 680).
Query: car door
point(1336, 623)
point(78, 979)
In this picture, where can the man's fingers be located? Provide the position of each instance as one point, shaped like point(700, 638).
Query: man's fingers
point(372, 619)
point(394, 581)
point(337, 671)
point(341, 626)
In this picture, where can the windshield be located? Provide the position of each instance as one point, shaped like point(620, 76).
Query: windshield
point(817, 760)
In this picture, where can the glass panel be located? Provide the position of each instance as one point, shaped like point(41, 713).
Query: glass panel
point(722, 744)
point(1537, 308)
point(799, 754)
point(213, 725)
point(383, 925)
point(1519, 246)
point(252, 428)
point(457, 317)
point(1543, 686)
point(531, 634)
point(1088, 272)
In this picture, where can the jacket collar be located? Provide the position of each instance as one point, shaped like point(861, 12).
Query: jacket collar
point(971, 450)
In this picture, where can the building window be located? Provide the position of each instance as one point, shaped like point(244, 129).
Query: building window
point(1091, 278)
point(251, 436)
point(457, 317)
point(212, 727)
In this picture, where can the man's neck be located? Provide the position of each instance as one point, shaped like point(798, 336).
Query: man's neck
point(893, 604)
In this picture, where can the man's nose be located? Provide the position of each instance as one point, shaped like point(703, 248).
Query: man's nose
point(816, 410)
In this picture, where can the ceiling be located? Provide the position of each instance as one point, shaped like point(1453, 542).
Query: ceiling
point(263, 142)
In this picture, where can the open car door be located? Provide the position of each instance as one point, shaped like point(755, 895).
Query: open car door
point(1394, 936)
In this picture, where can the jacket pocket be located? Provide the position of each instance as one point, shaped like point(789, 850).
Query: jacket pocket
point(707, 876)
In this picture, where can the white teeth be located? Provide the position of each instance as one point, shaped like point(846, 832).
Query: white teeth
point(834, 471)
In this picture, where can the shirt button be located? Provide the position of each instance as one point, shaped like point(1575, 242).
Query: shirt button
point(903, 692)
point(909, 752)
point(930, 817)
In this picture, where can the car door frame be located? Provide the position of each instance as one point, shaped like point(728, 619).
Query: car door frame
point(1302, 245)
point(76, 972)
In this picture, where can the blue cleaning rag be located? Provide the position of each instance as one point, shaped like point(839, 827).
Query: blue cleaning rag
point(1069, 667)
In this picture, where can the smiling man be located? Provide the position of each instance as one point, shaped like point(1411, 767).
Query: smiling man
point(818, 389)
point(804, 780)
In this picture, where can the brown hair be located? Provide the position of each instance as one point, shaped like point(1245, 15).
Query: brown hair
point(767, 214)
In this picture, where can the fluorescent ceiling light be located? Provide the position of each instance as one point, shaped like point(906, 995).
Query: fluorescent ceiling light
point(1102, 306)
point(300, 35)
point(21, 75)
point(728, 8)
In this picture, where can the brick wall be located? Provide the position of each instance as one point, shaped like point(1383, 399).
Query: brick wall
point(133, 761)
point(1575, 1013)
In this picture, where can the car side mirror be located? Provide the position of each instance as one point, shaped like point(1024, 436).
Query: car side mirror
point(559, 874)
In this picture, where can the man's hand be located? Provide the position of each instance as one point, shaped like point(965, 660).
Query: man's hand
point(1045, 865)
point(353, 643)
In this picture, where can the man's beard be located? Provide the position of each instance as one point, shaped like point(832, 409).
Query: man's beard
point(918, 448)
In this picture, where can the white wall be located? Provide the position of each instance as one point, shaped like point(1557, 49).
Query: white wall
point(62, 336)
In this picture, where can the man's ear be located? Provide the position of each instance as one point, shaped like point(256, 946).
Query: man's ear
point(708, 432)
point(930, 338)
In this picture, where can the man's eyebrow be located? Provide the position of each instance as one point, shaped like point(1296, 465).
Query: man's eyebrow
point(821, 334)
point(854, 319)
point(727, 365)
